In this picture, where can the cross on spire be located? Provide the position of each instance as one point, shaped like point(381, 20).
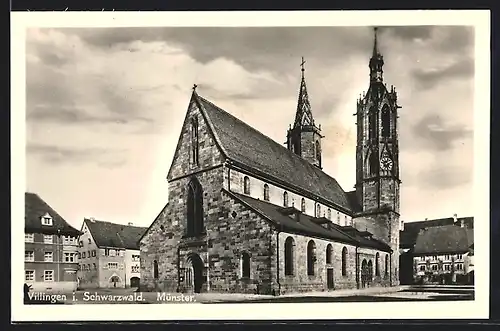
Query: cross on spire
point(194, 87)
point(302, 64)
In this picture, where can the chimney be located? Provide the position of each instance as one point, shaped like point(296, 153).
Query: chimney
point(462, 223)
point(402, 225)
point(130, 223)
point(455, 219)
point(92, 219)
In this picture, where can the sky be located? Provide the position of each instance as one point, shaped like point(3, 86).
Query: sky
point(105, 106)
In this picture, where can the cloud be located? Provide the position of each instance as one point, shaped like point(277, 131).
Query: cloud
point(428, 78)
point(446, 177)
point(61, 155)
point(438, 135)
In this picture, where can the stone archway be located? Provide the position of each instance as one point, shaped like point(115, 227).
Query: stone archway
point(115, 281)
point(364, 273)
point(194, 272)
point(134, 281)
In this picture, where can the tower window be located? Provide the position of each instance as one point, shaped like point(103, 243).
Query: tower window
point(303, 205)
point(194, 141)
point(285, 199)
point(372, 159)
point(266, 192)
point(194, 208)
point(386, 122)
point(372, 125)
point(246, 185)
point(318, 152)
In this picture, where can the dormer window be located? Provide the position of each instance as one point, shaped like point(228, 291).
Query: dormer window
point(46, 220)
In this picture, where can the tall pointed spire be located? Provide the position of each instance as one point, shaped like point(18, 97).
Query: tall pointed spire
point(303, 116)
point(376, 61)
point(375, 46)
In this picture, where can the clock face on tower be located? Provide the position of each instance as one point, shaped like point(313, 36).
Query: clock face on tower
point(386, 163)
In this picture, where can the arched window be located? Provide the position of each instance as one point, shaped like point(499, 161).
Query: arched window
point(246, 185)
point(373, 163)
point(372, 125)
point(344, 261)
point(338, 218)
point(289, 256)
point(194, 141)
point(329, 214)
point(155, 269)
point(296, 147)
point(329, 253)
point(318, 152)
point(386, 264)
point(245, 265)
point(386, 122)
point(266, 192)
point(194, 208)
point(303, 205)
point(377, 268)
point(370, 270)
point(285, 199)
point(318, 210)
point(311, 257)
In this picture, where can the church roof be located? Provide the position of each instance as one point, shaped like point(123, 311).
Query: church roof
point(282, 218)
point(255, 151)
point(107, 234)
point(34, 208)
point(444, 239)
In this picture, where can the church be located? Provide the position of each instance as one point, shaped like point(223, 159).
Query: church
point(246, 214)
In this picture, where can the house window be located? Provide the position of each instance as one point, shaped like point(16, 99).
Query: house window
point(434, 267)
point(447, 257)
point(460, 266)
point(79, 255)
point(135, 258)
point(80, 243)
point(29, 237)
point(329, 214)
point(246, 185)
point(90, 241)
point(93, 253)
point(95, 266)
point(289, 256)
point(88, 254)
point(245, 265)
point(48, 239)
point(48, 257)
point(155, 269)
point(344, 261)
point(67, 240)
point(112, 265)
point(195, 208)
point(83, 255)
point(194, 141)
point(303, 205)
point(377, 267)
point(434, 257)
point(106, 252)
point(69, 257)
point(135, 269)
point(112, 252)
point(459, 256)
point(329, 253)
point(47, 220)
point(422, 258)
point(447, 267)
point(266, 192)
point(422, 268)
point(29, 275)
point(48, 275)
point(311, 258)
point(29, 256)
point(386, 122)
point(285, 199)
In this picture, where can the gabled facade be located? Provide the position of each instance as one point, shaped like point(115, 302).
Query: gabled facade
point(245, 214)
point(50, 256)
point(109, 255)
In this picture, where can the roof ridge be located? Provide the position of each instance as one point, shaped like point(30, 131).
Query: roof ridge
point(273, 141)
point(108, 222)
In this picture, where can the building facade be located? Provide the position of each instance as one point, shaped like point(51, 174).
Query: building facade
point(245, 214)
point(109, 255)
point(438, 251)
point(50, 256)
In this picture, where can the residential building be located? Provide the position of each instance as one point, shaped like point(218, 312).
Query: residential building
point(50, 255)
point(109, 254)
point(247, 214)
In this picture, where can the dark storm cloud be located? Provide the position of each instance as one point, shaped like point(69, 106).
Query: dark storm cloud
point(444, 177)
point(58, 155)
point(429, 78)
point(432, 130)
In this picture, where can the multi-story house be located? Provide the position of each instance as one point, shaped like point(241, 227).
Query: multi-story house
point(50, 256)
point(442, 254)
point(109, 255)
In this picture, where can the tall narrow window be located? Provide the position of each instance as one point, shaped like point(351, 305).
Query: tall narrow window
point(386, 122)
point(266, 192)
point(370, 270)
point(329, 214)
point(285, 199)
point(329, 254)
point(386, 264)
point(303, 205)
point(246, 185)
point(377, 268)
point(194, 208)
point(344, 261)
point(245, 265)
point(318, 210)
point(194, 141)
point(373, 163)
point(289, 256)
point(155, 269)
point(372, 125)
point(318, 152)
point(311, 258)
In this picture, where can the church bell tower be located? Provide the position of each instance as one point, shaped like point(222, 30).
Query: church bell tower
point(377, 160)
point(304, 138)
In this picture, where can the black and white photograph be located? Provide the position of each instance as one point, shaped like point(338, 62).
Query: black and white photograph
point(313, 158)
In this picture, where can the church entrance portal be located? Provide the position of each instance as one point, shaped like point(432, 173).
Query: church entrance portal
point(194, 277)
point(329, 278)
